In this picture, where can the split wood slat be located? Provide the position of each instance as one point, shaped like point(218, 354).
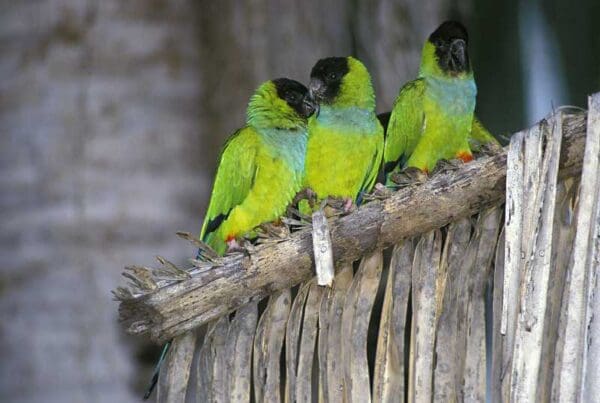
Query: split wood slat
point(292, 340)
point(483, 243)
point(563, 235)
point(534, 284)
point(355, 327)
point(425, 279)
point(175, 372)
point(590, 388)
point(570, 378)
point(332, 354)
point(389, 373)
point(446, 372)
point(307, 344)
point(322, 347)
point(513, 253)
point(211, 362)
point(238, 350)
point(268, 345)
point(322, 249)
point(497, 337)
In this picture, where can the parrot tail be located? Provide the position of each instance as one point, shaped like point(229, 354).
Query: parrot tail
point(154, 379)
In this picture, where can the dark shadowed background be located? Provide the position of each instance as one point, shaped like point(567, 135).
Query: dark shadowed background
point(112, 114)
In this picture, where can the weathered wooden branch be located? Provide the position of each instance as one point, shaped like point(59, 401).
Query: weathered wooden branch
point(172, 309)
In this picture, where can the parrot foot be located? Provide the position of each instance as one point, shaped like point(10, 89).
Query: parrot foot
point(488, 150)
point(333, 206)
point(380, 192)
point(349, 206)
point(276, 229)
point(408, 176)
point(448, 165)
point(233, 246)
point(305, 194)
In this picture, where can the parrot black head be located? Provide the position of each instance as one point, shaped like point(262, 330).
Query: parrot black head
point(326, 78)
point(450, 41)
point(295, 95)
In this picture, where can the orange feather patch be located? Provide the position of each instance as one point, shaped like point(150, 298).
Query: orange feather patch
point(464, 156)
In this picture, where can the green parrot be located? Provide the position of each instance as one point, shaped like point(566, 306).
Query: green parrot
point(345, 139)
point(261, 166)
point(260, 169)
point(433, 116)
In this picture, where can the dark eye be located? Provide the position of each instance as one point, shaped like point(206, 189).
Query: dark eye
point(332, 76)
point(292, 96)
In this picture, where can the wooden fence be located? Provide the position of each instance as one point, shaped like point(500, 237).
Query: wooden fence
point(413, 318)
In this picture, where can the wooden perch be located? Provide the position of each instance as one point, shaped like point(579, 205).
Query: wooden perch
point(171, 309)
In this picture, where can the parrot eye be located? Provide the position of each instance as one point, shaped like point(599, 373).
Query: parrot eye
point(292, 96)
point(332, 76)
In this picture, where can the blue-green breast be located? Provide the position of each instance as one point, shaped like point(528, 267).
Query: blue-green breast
point(453, 96)
point(289, 145)
point(348, 120)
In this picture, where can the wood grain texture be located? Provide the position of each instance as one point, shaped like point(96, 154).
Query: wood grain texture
point(356, 316)
point(332, 353)
point(534, 283)
point(238, 359)
point(177, 307)
point(268, 344)
point(292, 341)
point(447, 375)
point(308, 344)
point(175, 373)
point(570, 378)
point(211, 362)
point(484, 242)
point(425, 276)
point(390, 371)
point(322, 250)
point(497, 315)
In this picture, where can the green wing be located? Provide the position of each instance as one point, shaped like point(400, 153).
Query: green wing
point(405, 125)
point(234, 179)
point(373, 170)
point(480, 136)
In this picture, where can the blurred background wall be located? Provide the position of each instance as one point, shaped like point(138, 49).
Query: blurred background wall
point(112, 114)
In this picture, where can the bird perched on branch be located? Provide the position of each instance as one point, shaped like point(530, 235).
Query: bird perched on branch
point(345, 142)
point(433, 116)
point(261, 166)
point(260, 169)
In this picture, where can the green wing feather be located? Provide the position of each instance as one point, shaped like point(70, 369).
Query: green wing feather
point(234, 179)
point(405, 125)
point(373, 171)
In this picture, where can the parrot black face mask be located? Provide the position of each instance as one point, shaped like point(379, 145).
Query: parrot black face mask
point(451, 42)
point(326, 78)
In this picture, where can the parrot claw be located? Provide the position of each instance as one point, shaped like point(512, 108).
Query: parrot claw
point(233, 246)
point(409, 176)
point(275, 230)
point(488, 150)
point(333, 206)
point(448, 165)
point(349, 206)
point(380, 192)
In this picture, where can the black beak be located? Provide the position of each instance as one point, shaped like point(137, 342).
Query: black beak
point(309, 106)
point(316, 88)
point(458, 54)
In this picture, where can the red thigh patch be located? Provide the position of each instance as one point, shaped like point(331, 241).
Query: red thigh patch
point(465, 156)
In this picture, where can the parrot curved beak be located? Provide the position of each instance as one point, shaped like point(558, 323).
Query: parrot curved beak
point(458, 54)
point(309, 105)
point(316, 88)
